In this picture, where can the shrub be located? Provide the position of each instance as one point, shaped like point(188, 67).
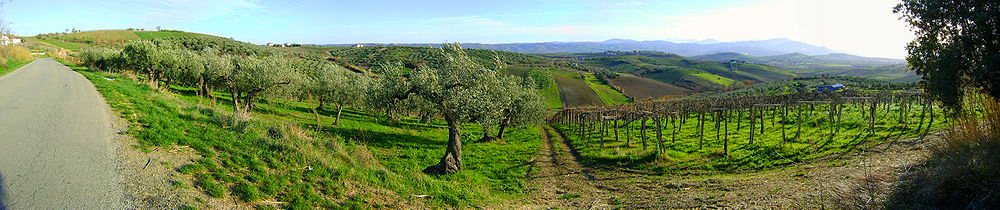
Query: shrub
point(101, 58)
point(16, 53)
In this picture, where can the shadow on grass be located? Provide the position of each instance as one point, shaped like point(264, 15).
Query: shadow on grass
point(383, 139)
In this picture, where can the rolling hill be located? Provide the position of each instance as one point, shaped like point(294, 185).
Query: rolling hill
point(75, 41)
point(835, 64)
point(677, 70)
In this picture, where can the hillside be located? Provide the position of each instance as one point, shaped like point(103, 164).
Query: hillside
point(758, 47)
point(75, 41)
point(835, 64)
point(677, 70)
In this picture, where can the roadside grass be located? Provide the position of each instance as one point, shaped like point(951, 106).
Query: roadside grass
point(283, 156)
point(11, 66)
point(609, 95)
point(147, 35)
point(768, 150)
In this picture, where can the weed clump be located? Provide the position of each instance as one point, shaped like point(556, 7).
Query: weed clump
point(963, 172)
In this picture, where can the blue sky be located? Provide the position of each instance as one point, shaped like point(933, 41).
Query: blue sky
point(864, 27)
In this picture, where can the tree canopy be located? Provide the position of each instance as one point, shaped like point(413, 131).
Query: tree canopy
point(957, 46)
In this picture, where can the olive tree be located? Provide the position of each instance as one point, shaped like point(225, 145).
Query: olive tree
point(252, 77)
point(331, 83)
point(216, 69)
point(142, 56)
point(524, 108)
point(390, 90)
point(461, 90)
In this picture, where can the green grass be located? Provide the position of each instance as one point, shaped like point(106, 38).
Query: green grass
point(609, 95)
point(11, 66)
point(74, 46)
point(281, 156)
point(767, 151)
point(551, 96)
point(159, 34)
point(714, 79)
point(102, 36)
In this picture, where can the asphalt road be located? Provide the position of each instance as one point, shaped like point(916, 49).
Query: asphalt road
point(56, 146)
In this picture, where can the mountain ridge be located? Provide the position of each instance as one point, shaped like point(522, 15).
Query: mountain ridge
point(768, 47)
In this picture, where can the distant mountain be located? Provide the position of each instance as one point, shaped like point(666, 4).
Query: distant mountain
point(836, 64)
point(768, 47)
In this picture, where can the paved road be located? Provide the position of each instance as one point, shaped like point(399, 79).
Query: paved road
point(56, 146)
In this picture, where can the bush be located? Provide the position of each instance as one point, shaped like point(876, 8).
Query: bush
point(101, 58)
point(963, 172)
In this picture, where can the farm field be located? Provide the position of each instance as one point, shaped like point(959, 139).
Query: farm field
point(609, 95)
point(576, 92)
point(643, 88)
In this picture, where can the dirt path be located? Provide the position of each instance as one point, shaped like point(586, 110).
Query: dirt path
point(832, 182)
point(559, 180)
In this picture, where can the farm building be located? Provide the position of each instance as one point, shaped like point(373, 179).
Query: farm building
point(830, 88)
point(9, 39)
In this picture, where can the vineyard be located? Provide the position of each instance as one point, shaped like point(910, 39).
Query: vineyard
point(743, 132)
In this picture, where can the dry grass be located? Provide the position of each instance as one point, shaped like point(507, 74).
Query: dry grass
point(964, 170)
point(14, 53)
point(868, 191)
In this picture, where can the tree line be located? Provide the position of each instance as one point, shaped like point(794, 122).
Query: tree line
point(458, 90)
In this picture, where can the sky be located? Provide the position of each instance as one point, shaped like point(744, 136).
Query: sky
point(861, 27)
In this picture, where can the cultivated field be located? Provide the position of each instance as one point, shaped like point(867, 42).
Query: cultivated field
point(643, 88)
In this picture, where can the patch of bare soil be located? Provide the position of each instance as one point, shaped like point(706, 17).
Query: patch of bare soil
point(854, 180)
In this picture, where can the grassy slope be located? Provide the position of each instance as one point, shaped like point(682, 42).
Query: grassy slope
point(75, 41)
point(678, 70)
point(766, 152)
point(364, 162)
point(75, 46)
point(102, 36)
point(551, 96)
point(609, 95)
point(158, 34)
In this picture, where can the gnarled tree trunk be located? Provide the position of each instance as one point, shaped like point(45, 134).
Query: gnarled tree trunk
point(452, 160)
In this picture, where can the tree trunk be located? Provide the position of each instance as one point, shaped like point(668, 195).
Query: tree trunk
point(452, 160)
point(725, 145)
point(340, 108)
point(642, 133)
point(503, 127)
point(752, 115)
point(798, 130)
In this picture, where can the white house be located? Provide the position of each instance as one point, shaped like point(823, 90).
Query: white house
point(8, 39)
